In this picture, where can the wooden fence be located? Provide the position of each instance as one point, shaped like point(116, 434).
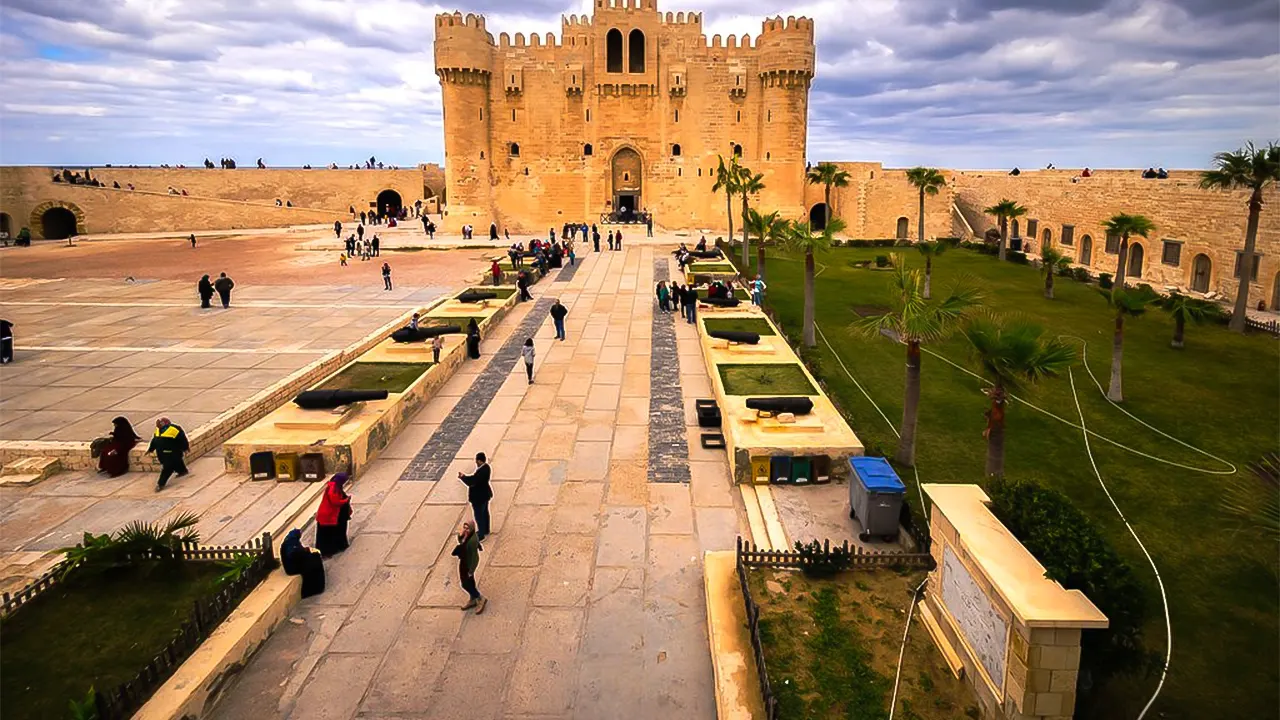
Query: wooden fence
point(122, 701)
point(757, 650)
point(1272, 327)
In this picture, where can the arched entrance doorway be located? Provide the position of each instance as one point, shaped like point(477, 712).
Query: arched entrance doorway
point(6, 224)
point(389, 203)
point(818, 217)
point(1200, 269)
point(57, 223)
point(904, 226)
point(628, 181)
point(1086, 250)
point(1136, 256)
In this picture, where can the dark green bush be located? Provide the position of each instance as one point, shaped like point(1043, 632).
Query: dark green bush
point(882, 261)
point(1075, 554)
point(1081, 274)
point(1016, 256)
point(1104, 281)
point(823, 560)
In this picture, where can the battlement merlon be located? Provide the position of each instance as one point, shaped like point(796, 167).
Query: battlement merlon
point(786, 50)
point(626, 5)
point(462, 46)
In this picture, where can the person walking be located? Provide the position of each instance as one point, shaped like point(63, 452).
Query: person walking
point(572, 256)
point(691, 306)
point(192, 238)
point(757, 291)
point(169, 443)
point(342, 259)
point(526, 352)
point(468, 554)
point(479, 492)
point(522, 283)
point(337, 228)
point(376, 244)
point(473, 339)
point(224, 285)
point(333, 516)
point(617, 240)
point(205, 290)
point(648, 221)
point(386, 275)
point(664, 297)
point(558, 313)
point(437, 344)
point(496, 271)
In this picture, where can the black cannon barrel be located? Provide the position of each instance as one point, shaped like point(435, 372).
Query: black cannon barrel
point(471, 296)
point(408, 335)
point(723, 302)
point(797, 405)
point(329, 399)
point(705, 254)
point(738, 336)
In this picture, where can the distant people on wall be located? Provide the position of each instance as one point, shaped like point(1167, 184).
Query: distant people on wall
point(1162, 174)
point(1015, 171)
point(115, 185)
point(1149, 174)
point(261, 165)
point(208, 163)
point(224, 285)
point(1086, 173)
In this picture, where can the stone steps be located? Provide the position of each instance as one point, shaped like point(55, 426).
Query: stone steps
point(28, 471)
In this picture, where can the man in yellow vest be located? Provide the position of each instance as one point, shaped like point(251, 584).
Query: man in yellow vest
point(169, 444)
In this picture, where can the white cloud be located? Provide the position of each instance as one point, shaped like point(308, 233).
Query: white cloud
point(80, 110)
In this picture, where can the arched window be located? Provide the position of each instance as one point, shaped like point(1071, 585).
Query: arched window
point(1048, 237)
point(737, 151)
point(635, 52)
point(1013, 229)
point(675, 150)
point(587, 149)
point(904, 226)
point(613, 51)
point(515, 149)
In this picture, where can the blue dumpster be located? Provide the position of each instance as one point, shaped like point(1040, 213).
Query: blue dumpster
point(875, 497)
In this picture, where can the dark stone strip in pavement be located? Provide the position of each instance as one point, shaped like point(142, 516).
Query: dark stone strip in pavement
point(668, 448)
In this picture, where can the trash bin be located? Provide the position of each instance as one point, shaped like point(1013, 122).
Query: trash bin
point(780, 469)
point(262, 465)
point(801, 468)
point(312, 466)
point(875, 497)
point(287, 466)
point(760, 470)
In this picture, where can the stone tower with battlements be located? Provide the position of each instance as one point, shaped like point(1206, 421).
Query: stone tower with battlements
point(628, 108)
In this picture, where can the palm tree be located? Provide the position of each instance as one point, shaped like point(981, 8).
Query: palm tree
point(767, 228)
point(930, 250)
point(914, 321)
point(1011, 354)
point(748, 184)
point(1127, 303)
point(928, 181)
point(1051, 262)
point(1005, 210)
point(801, 239)
point(727, 181)
point(1184, 308)
point(829, 175)
point(1125, 226)
point(1252, 169)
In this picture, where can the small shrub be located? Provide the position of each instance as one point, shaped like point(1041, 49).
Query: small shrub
point(236, 568)
point(882, 261)
point(824, 561)
point(1017, 257)
point(836, 242)
point(135, 540)
point(1065, 271)
point(1081, 274)
point(884, 243)
point(952, 241)
point(1104, 281)
point(85, 708)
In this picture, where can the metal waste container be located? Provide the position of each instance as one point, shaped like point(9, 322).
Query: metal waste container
point(875, 497)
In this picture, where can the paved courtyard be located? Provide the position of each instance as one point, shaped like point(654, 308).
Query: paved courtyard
point(593, 571)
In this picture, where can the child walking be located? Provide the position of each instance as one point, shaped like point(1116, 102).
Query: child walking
point(527, 353)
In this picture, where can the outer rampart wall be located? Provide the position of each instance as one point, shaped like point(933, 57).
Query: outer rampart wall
point(876, 199)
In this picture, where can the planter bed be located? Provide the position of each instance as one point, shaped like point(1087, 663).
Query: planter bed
point(392, 377)
point(717, 268)
point(502, 293)
point(765, 379)
point(760, 326)
point(739, 293)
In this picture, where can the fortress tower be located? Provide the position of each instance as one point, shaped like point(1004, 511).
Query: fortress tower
point(628, 108)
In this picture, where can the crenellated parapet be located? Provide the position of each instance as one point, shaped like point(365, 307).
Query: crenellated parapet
point(786, 52)
point(463, 49)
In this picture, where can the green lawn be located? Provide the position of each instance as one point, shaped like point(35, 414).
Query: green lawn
point(755, 379)
point(1221, 394)
point(713, 267)
point(96, 631)
point(389, 376)
point(757, 325)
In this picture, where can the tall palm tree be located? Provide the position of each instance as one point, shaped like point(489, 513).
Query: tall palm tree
point(748, 184)
point(928, 181)
point(1183, 308)
point(1125, 226)
point(930, 250)
point(1126, 303)
point(802, 239)
point(828, 175)
point(1051, 262)
point(1253, 169)
point(1005, 210)
point(915, 322)
point(727, 182)
point(1011, 354)
point(770, 228)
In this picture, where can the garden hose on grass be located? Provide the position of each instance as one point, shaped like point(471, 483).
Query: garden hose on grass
point(902, 649)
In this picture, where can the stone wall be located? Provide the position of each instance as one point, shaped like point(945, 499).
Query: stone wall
point(215, 200)
point(877, 199)
point(1201, 222)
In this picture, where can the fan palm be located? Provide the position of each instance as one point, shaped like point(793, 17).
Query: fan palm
point(915, 322)
point(1052, 261)
point(1253, 169)
point(928, 181)
point(727, 182)
point(1125, 226)
point(930, 250)
point(770, 228)
point(1183, 308)
point(1126, 303)
point(1005, 210)
point(1011, 354)
point(748, 184)
point(828, 175)
point(802, 239)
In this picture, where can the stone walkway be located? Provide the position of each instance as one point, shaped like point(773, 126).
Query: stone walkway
point(593, 572)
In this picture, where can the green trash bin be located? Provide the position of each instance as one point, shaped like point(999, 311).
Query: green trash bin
point(801, 471)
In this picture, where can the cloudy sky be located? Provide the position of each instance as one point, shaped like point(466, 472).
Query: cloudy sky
point(952, 83)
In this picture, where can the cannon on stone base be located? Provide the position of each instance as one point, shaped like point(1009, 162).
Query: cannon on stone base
point(408, 335)
point(794, 405)
point(330, 399)
point(471, 296)
point(737, 336)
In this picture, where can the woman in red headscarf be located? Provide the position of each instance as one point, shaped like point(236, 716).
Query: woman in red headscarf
point(332, 517)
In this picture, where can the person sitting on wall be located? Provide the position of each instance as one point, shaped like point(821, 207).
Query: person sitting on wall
point(113, 450)
point(1086, 173)
point(1162, 174)
point(1149, 174)
point(1015, 171)
point(701, 246)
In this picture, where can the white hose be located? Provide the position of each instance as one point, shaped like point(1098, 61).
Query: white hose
point(902, 649)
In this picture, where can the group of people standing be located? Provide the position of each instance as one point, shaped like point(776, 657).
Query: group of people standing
point(685, 297)
point(222, 286)
point(357, 244)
